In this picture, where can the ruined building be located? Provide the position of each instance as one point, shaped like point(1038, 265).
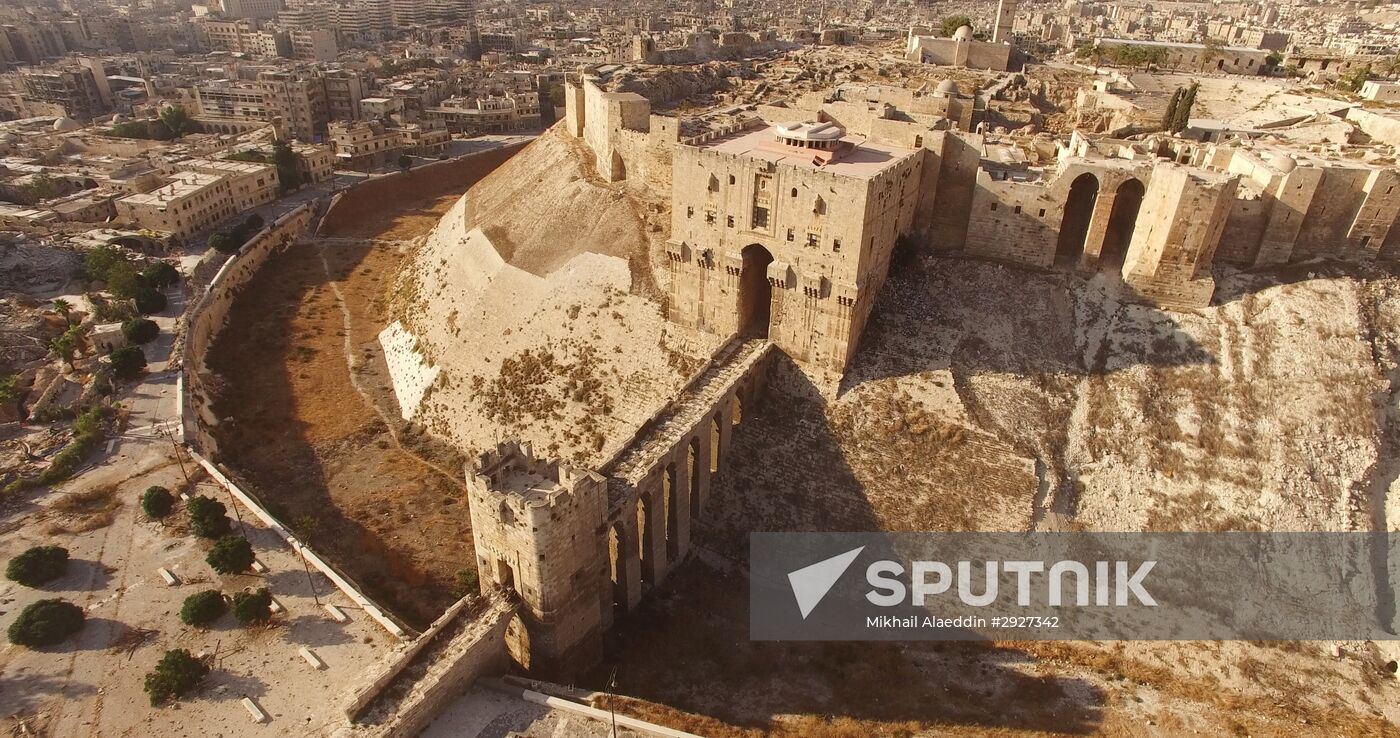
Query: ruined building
point(785, 220)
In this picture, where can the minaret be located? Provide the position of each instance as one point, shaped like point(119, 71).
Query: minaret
point(1006, 17)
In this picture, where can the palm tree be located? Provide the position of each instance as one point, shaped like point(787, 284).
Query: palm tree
point(63, 308)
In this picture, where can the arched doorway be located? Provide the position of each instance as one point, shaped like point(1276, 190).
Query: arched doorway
point(755, 293)
point(1074, 227)
point(619, 167)
point(1119, 233)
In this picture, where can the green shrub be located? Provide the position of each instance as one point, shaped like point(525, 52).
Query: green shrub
point(252, 608)
point(38, 565)
point(99, 261)
point(140, 330)
point(46, 623)
point(160, 274)
point(157, 502)
point(203, 608)
point(177, 673)
point(128, 362)
point(208, 518)
point(231, 555)
point(224, 243)
point(149, 300)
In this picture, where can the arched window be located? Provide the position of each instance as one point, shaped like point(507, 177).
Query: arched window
point(820, 206)
point(794, 192)
point(714, 183)
point(731, 179)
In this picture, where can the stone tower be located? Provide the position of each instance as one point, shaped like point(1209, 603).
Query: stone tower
point(1006, 17)
point(539, 530)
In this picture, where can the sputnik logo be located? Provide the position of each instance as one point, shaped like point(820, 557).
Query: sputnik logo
point(810, 584)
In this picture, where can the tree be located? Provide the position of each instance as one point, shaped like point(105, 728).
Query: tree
point(1273, 60)
point(1214, 48)
point(208, 517)
point(63, 308)
point(99, 260)
point(176, 674)
point(157, 502)
point(1390, 65)
point(65, 347)
point(1169, 117)
point(46, 623)
point(231, 555)
point(38, 565)
point(1353, 80)
point(405, 162)
point(288, 166)
point(177, 119)
point(140, 330)
point(149, 300)
point(128, 362)
point(203, 608)
point(1182, 116)
point(952, 23)
point(223, 243)
point(254, 607)
point(124, 281)
point(160, 274)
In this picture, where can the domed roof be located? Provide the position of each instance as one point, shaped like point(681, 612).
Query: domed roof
point(948, 87)
point(66, 124)
point(964, 33)
point(1284, 164)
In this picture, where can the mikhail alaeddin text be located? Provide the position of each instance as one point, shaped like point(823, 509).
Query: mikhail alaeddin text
point(923, 621)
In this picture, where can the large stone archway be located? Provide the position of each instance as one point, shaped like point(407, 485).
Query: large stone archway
point(1074, 227)
point(755, 292)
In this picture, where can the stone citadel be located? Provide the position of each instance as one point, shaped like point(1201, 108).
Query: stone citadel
point(784, 222)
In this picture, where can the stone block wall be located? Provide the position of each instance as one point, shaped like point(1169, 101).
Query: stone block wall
point(210, 314)
point(538, 529)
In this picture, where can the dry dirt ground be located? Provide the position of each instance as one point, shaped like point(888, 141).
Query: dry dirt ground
point(992, 398)
point(314, 449)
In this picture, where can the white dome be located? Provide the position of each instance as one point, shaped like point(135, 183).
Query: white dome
point(66, 124)
point(1284, 164)
point(964, 33)
point(948, 87)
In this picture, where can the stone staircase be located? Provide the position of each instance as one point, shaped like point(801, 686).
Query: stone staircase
point(680, 416)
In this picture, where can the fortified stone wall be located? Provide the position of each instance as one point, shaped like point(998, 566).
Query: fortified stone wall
point(627, 141)
point(537, 526)
point(372, 195)
point(210, 315)
point(829, 237)
point(1183, 216)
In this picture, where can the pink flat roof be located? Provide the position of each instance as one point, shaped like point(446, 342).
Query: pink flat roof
point(863, 161)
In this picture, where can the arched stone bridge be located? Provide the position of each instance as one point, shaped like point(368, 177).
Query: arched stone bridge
point(579, 546)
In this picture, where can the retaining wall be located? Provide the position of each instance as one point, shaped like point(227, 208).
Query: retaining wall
point(370, 198)
point(478, 648)
point(202, 326)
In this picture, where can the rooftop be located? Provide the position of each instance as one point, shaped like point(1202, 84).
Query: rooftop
point(863, 159)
